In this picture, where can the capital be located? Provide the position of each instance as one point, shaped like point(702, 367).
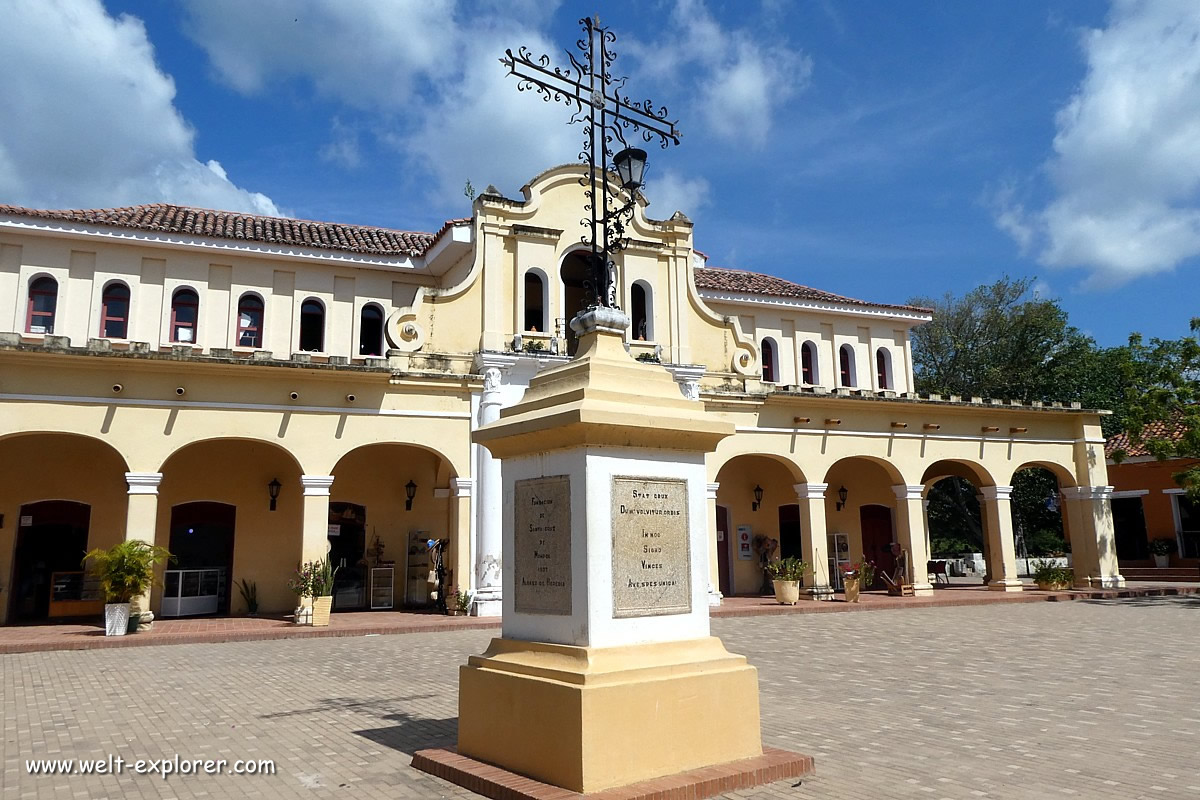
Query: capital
point(316, 485)
point(810, 491)
point(143, 482)
point(996, 492)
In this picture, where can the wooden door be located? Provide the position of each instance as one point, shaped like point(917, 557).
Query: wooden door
point(723, 550)
point(876, 525)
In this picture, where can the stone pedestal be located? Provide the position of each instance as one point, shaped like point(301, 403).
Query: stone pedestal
point(606, 674)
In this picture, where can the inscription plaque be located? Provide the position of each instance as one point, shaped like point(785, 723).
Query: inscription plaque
point(542, 572)
point(652, 563)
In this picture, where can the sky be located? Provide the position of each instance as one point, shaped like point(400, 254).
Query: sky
point(880, 150)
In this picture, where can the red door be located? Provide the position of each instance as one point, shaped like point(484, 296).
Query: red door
point(723, 550)
point(876, 524)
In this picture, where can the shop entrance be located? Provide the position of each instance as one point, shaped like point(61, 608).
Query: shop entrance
point(790, 545)
point(347, 552)
point(198, 581)
point(876, 525)
point(52, 538)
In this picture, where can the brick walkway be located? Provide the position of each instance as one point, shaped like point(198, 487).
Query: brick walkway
point(1087, 699)
point(38, 638)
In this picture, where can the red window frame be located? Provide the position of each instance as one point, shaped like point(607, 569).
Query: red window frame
point(250, 305)
point(881, 369)
point(846, 364)
point(37, 289)
point(185, 298)
point(114, 293)
point(768, 361)
point(806, 362)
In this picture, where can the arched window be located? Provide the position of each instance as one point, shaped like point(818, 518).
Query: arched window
point(883, 368)
point(114, 311)
point(643, 312)
point(846, 362)
point(535, 302)
point(370, 331)
point(312, 326)
point(185, 310)
point(770, 363)
point(808, 363)
point(250, 321)
point(43, 300)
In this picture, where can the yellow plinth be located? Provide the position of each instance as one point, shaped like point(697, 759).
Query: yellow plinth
point(588, 719)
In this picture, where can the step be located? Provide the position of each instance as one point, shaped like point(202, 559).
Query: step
point(1160, 573)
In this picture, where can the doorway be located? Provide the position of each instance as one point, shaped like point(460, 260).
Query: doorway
point(790, 545)
point(725, 586)
point(876, 526)
point(347, 552)
point(200, 579)
point(1129, 529)
point(574, 274)
point(52, 537)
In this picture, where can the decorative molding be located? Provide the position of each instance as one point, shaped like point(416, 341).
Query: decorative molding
point(1087, 492)
point(462, 487)
point(174, 403)
point(751, 299)
point(711, 492)
point(316, 485)
point(894, 435)
point(810, 491)
point(908, 492)
point(996, 492)
point(1130, 493)
point(143, 482)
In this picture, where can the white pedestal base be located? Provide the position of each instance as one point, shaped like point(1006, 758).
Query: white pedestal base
point(1006, 586)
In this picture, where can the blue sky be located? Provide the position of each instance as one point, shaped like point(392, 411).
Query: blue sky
point(876, 149)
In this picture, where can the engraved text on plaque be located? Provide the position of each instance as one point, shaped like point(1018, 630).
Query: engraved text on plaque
point(542, 570)
point(651, 558)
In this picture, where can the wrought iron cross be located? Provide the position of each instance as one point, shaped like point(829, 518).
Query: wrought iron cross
point(609, 114)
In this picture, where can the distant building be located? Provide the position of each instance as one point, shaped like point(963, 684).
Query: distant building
point(252, 391)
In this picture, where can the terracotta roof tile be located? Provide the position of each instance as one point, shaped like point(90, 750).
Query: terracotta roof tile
point(736, 280)
point(167, 218)
point(1159, 429)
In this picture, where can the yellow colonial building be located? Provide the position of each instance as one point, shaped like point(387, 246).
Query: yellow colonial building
point(252, 392)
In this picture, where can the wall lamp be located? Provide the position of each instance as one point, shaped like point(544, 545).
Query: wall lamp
point(410, 491)
point(758, 493)
point(842, 495)
point(273, 489)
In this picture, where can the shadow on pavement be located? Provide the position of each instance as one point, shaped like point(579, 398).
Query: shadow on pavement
point(1182, 601)
point(411, 734)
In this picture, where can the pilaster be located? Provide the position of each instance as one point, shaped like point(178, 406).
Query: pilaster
point(1093, 543)
point(314, 543)
point(911, 527)
point(714, 564)
point(998, 527)
point(814, 541)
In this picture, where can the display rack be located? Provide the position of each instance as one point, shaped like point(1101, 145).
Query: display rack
point(383, 580)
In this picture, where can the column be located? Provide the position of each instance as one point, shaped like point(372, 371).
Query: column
point(814, 541)
point(314, 543)
point(911, 532)
point(460, 536)
point(714, 562)
point(490, 500)
point(1002, 547)
point(1093, 546)
point(141, 522)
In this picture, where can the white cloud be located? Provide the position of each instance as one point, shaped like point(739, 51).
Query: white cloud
point(98, 125)
point(343, 147)
point(1126, 167)
point(741, 78)
point(670, 192)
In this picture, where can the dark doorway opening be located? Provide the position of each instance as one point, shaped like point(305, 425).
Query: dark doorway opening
point(723, 551)
point(200, 579)
point(574, 273)
point(790, 545)
point(1129, 527)
point(876, 525)
point(52, 537)
point(347, 552)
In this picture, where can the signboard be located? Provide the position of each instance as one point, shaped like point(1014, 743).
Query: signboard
point(745, 545)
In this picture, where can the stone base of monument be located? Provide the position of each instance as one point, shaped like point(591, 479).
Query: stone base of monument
point(489, 781)
point(588, 718)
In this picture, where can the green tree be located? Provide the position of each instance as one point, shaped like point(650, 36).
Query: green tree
point(1162, 382)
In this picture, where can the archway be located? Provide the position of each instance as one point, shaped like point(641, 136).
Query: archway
point(41, 546)
point(955, 517)
point(1040, 524)
point(573, 273)
point(378, 539)
point(220, 489)
point(863, 526)
point(752, 493)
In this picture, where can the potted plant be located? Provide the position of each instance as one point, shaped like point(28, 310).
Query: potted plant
point(1162, 549)
point(313, 583)
point(458, 603)
point(856, 577)
point(1049, 576)
point(786, 574)
point(125, 571)
point(249, 592)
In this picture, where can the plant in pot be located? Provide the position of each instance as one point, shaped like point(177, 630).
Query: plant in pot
point(125, 571)
point(249, 592)
point(458, 603)
point(1161, 549)
point(1049, 576)
point(786, 574)
point(857, 577)
point(313, 583)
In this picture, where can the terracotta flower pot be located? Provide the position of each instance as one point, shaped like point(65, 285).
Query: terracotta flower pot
point(787, 592)
point(851, 587)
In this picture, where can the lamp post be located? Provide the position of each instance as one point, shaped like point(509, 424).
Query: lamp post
point(609, 116)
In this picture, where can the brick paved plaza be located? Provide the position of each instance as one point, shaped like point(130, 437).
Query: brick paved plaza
point(1087, 699)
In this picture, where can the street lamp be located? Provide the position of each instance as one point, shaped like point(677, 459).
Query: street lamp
point(758, 493)
point(273, 490)
point(609, 115)
point(842, 495)
point(410, 491)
